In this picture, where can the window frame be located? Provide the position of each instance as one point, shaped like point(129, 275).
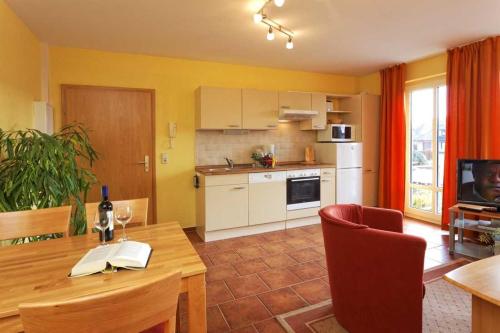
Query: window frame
point(430, 216)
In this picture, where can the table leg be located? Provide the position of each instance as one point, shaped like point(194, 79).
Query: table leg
point(451, 228)
point(485, 316)
point(461, 230)
point(197, 304)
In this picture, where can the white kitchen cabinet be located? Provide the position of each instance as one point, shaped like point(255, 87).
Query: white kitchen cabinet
point(226, 207)
point(218, 108)
point(318, 103)
point(222, 202)
point(327, 187)
point(267, 197)
point(295, 100)
point(260, 109)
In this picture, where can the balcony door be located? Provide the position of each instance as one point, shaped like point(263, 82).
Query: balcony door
point(426, 121)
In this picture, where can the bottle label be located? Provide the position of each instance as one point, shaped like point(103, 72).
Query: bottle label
point(109, 214)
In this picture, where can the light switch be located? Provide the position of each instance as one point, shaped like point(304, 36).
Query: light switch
point(164, 158)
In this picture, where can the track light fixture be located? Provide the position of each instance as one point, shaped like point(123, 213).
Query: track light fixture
point(261, 17)
point(270, 34)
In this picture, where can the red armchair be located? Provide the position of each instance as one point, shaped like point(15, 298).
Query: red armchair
point(375, 271)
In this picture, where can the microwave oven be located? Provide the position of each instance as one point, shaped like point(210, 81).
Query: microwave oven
point(337, 133)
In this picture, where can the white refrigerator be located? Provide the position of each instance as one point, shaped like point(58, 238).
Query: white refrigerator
point(348, 159)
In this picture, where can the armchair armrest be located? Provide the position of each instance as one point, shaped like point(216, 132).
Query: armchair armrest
point(383, 219)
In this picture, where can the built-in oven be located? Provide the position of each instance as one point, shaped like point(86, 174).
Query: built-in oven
point(303, 189)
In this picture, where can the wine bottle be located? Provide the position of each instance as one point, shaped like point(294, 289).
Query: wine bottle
point(105, 209)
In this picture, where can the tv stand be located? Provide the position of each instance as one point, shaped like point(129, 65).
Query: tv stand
point(458, 222)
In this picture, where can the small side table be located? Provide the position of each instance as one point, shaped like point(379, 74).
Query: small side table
point(457, 220)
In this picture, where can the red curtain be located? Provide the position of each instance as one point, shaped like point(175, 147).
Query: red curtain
point(473, 79)
point(392, 138)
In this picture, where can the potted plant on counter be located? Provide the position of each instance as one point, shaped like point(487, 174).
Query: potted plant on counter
point(39, 170)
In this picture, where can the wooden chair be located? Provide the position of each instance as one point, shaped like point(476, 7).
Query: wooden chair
point(35, 222)
point(139, 212)
point(131, 309)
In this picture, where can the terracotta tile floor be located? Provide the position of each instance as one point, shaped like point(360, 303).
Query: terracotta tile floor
point(252, 279)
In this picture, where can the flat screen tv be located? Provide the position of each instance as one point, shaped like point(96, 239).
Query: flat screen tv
point(479, 182)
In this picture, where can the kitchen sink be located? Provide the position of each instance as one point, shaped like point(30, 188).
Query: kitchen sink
point(219, 169)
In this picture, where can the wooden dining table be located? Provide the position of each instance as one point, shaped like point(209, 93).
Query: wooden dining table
point(38, 272)
point(482, 279)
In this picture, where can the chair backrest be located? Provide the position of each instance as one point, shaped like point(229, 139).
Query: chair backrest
point(131, 309)
point(343, 213)
point(35, 222)
point(139, 212)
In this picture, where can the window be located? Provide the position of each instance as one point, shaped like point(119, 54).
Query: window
point(426, 121)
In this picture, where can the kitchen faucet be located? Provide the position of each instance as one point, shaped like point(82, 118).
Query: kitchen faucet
point(229, 162)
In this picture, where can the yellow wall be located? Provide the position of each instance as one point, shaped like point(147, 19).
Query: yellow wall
point(418, 69)
point(175, 81)
point(369, 83)
point(19, 71)
point(423, 68)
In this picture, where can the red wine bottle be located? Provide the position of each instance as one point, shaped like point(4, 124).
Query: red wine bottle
point(105, 209)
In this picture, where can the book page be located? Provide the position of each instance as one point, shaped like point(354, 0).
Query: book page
point(131, 254)
point(95, 260)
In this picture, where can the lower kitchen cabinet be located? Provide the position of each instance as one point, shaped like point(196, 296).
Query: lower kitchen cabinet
point(327, 187)
point(222, 202)
point(226, 207)
point(267, 197)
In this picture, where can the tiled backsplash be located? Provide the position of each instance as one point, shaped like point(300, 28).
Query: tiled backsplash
point(289, 141)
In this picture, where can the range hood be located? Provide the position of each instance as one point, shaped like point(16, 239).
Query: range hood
point(295, 114)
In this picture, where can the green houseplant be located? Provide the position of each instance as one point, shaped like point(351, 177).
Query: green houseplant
point(39, 170)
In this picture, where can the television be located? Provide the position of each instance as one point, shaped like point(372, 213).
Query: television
point(479, 182)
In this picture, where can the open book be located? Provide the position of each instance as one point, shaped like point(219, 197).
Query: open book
point(129, 254)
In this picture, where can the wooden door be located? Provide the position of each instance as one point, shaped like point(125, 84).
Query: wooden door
point(120, 123)
point(260, 109)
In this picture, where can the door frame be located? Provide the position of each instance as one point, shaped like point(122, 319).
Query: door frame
point(152, 93)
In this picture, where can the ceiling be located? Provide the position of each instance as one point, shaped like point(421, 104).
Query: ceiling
point(354, 37)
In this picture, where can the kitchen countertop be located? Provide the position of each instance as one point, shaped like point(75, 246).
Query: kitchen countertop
point(211, 170)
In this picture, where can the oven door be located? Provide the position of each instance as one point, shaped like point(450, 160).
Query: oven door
point(303, 192)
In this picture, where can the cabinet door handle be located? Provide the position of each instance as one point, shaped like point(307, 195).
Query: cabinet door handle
point(239, 188)
point(233, 126)
point(327, 173)
point(268, 176)
point(325, 180)
point(318, 126)
point(271, 126)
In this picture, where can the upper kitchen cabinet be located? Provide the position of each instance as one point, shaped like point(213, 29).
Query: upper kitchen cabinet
point(295, 100)
point(318, 103)
point(218, 108)
point(260, 109)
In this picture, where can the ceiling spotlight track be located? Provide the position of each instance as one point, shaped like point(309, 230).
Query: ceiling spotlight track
point(261, 17)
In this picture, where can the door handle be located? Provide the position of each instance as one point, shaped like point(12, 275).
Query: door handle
point(145, 162)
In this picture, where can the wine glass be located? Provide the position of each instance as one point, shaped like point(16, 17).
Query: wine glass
point(123, 215)
point(102, 224)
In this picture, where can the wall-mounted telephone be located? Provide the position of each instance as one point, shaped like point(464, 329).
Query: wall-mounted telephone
point(172, 133)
